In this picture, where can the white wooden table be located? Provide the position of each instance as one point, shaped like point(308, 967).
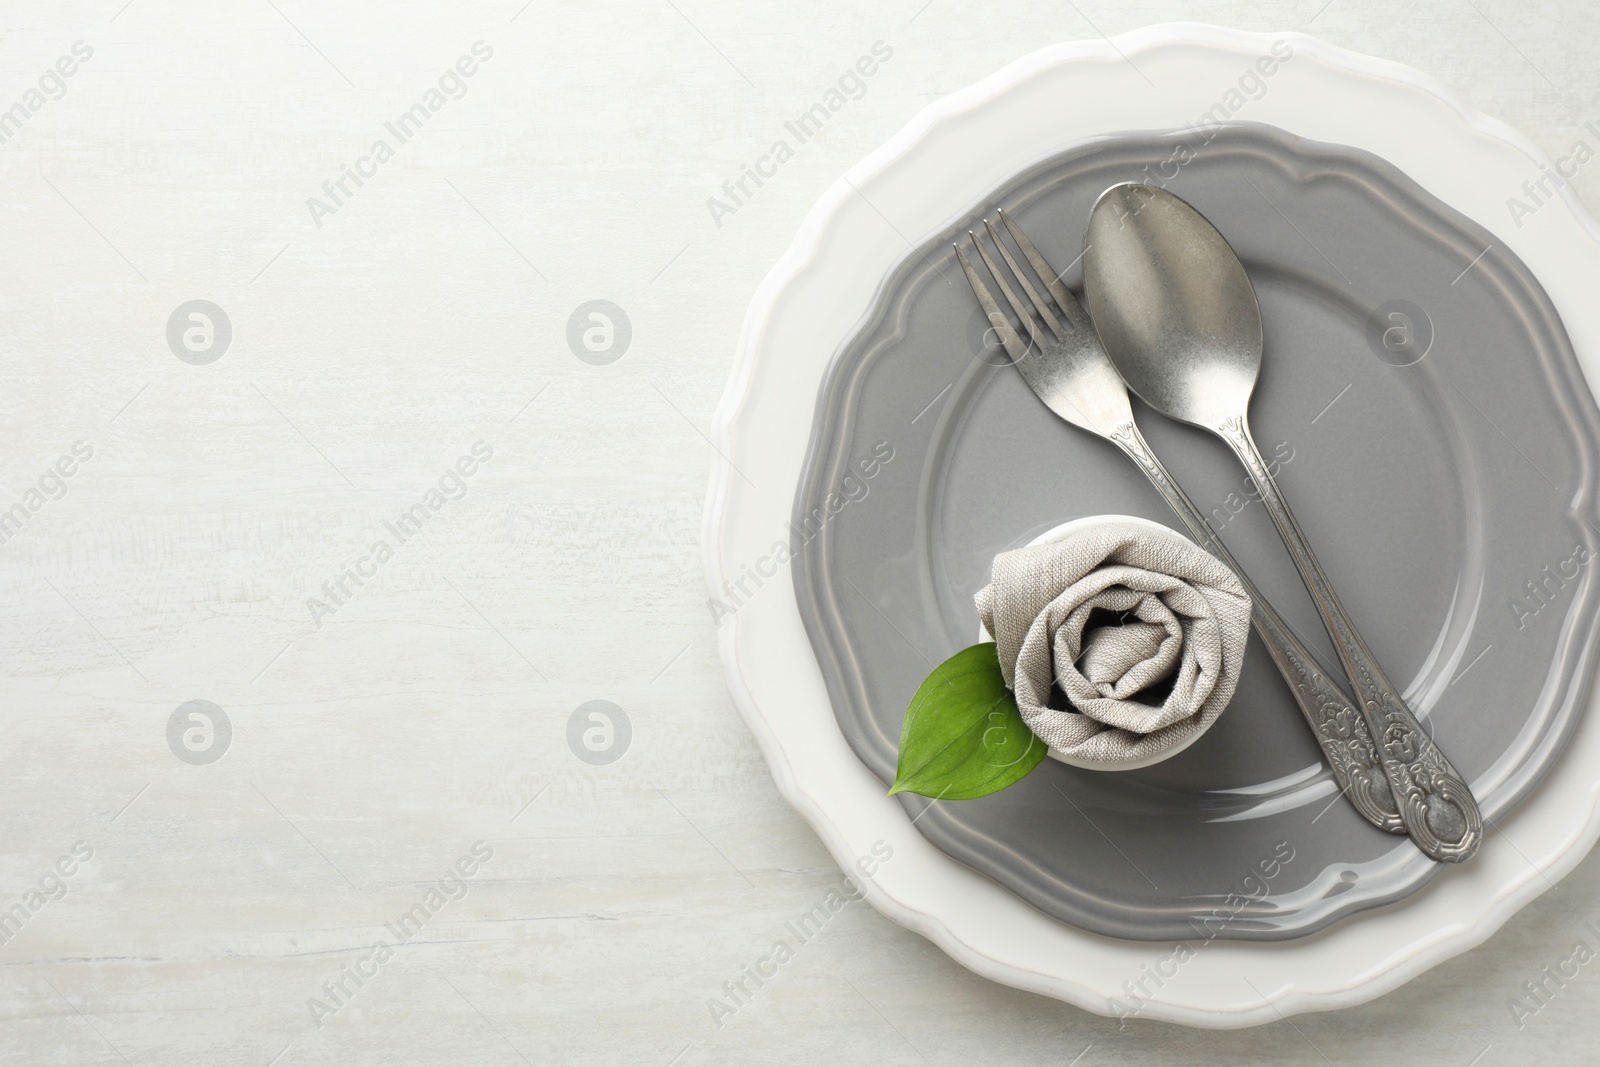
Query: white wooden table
point(408, 757)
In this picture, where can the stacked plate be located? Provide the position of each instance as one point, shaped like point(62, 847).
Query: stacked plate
point(1423, 398)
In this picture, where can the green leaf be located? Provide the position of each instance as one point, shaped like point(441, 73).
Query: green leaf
point(963, 736)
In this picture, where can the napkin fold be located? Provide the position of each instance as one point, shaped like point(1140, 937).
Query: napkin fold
point(1120, 641)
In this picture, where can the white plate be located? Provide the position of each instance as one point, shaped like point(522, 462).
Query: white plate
point(943, 162)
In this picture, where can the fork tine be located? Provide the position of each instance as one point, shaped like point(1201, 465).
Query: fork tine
point(1069, 305)
point(1011, 297)
point(1021, 275)
point(997, 318)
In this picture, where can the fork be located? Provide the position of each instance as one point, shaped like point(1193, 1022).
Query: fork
point(1065, 365)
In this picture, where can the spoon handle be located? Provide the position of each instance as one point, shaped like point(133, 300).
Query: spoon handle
point(1435, 803)
point(1337, 726)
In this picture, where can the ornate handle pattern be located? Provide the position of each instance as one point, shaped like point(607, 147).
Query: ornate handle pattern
point(1340, 730)
point(1436, 805)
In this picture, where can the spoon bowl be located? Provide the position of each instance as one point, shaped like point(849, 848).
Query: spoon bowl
point(1173, 304)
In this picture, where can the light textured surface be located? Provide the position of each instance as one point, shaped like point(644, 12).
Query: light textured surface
point(374, 744)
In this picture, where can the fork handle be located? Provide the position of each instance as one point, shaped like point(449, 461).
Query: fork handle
point(1338, 727)
point(1435, 803)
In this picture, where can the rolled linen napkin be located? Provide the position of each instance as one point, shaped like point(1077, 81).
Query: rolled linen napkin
point(1110, 611)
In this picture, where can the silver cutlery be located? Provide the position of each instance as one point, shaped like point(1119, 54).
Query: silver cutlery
point(1064, 363)
point(1178, 317)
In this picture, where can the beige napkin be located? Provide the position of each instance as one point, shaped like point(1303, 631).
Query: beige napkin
point(1053, 611)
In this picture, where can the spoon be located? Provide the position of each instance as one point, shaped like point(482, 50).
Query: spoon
point(1178, 317)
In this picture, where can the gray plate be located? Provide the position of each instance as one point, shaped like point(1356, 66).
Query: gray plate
point(1451, 500)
